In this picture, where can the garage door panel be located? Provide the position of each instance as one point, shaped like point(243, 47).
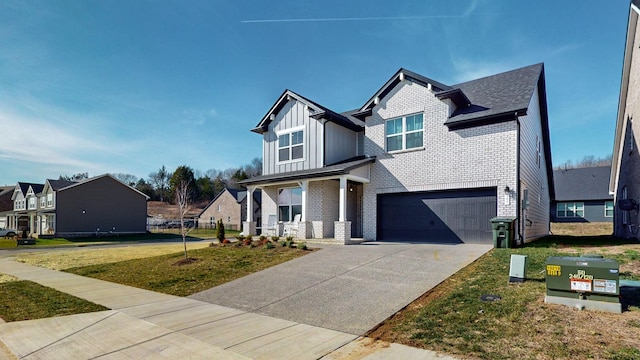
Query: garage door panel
point(442, 217)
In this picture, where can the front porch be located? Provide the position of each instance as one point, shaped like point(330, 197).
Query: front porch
point(313, 206)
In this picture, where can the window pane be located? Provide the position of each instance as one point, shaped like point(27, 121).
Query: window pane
point(283, 213)
point(296, 196)
point(394, 126)
point(283, 154)
point(414, 122)
point(394, 143)
point(284, 196)
point(414, 140)
point(296, 138)
point(296, 152)
point(283, 140)
point(295, 210)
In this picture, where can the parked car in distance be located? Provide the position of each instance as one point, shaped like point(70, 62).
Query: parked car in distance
point(7, 232)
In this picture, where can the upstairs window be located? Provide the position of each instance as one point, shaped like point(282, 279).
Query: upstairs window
point(291, 146)
point(32, 202)
point(49, 200)
point(404, 133)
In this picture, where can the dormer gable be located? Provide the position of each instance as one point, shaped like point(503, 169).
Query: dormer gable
point(316, 111)
point(399, 77)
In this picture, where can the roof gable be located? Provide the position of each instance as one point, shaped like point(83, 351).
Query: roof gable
point(317, 112)
point(108, 176)
point(400, 76)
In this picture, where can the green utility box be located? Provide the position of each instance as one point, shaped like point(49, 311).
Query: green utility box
point(584, 282)
point(503, 231)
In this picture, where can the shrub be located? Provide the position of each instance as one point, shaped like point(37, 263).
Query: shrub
point(283, 243)
point(220, 230)
point(290, 244)
point(289, 238)
point(241, 237)
point(275, 238)
point(302, 246)
point(269, 245)
point(263, 238)
point(225, 241)
point(212, 244)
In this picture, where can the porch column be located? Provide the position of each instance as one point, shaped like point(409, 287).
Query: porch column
point(305, 189)
point(343, 199)
point(249, 226)
point(250, 190)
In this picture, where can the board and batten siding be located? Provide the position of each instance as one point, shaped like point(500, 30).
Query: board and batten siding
point(293, 115)
point(340, 143)
point(533, 176)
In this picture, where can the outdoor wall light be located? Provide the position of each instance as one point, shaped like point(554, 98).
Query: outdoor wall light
point(506, 189)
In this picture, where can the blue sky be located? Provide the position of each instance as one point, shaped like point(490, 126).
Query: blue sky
point(128, 86)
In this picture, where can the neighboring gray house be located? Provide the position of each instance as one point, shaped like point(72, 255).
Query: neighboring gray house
point(230, 207)
point(96, 206)
point(6, 204)
point(582, 195)
point(625, 168)
point(420, 161)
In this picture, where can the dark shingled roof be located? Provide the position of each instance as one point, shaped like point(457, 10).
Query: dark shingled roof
point(582, 184)
point(503, 94)
point(24, 187)
point(340, 168)
point(60, 184)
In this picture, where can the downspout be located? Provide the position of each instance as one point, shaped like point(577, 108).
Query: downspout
point(518, 199)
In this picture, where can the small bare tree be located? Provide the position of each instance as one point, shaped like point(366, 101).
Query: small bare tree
point(183, 198)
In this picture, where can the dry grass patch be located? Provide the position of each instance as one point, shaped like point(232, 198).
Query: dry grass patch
point(582, 229)
point(65, 259)
point(452, 319)
point(6, 278)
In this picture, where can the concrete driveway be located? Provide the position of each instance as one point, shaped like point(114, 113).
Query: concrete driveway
point(349, 289)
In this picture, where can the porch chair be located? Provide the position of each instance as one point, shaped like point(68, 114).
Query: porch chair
point(272, 225)
point(291, 229)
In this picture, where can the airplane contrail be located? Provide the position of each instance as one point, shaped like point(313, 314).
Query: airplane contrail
point(352, 19)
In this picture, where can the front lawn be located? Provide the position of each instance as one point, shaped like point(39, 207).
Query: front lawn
point(214, 266)
point(26, 300)
point(453, 319)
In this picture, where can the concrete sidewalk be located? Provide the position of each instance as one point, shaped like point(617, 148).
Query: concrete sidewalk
point(145, 324)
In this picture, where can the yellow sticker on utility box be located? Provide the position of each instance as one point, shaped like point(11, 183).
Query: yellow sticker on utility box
point(554, 270)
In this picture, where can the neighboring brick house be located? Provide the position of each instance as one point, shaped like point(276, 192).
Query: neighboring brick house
point(419, 161)
point(230, 207)
point(97, 206)
point(625, 168)
point(582, 195)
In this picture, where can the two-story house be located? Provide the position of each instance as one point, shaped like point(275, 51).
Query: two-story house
point(25, 207)
point(419, 161)
point(625, 165)
point(99, 205)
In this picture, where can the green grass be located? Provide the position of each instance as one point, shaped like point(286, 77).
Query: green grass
point(80, 241)
point(25, 300)
point(453, 319)
point(199, 233)
point(215, 266)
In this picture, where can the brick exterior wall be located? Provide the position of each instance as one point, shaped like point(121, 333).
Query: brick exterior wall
point(231, 212)
point(477, 157)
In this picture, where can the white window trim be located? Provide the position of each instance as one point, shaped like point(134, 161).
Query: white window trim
point(404, 134)
point(612, 209)
point(288, 132)
point(566, 211)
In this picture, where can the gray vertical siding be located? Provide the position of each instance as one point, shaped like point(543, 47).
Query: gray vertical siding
point(340, 143)
point(533, 177)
